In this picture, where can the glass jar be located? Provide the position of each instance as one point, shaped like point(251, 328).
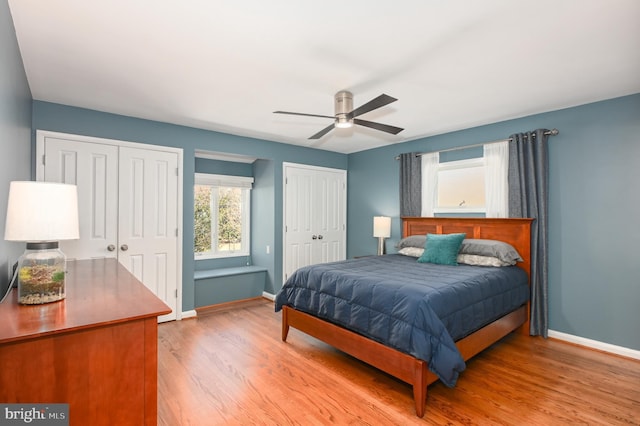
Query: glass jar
point(41, 274)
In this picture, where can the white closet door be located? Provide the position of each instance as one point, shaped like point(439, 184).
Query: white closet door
point(298, 212)
point(148, 228)
point(128, 206)
point(329, 216)
point(314, 216)
point(94, 169)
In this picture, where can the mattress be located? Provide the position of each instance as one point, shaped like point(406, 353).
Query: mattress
point(417, 308)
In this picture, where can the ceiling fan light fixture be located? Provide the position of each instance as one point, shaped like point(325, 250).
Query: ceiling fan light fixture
point(342, 122)
point(346, 117)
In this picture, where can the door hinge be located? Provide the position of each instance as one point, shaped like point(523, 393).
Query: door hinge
point(177, 171)
point(176, 293)
point(44, 160)
point(176, 232)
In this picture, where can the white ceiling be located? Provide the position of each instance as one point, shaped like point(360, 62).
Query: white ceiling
point(227, 65)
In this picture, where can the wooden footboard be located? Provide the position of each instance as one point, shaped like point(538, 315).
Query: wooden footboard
point(400, 365)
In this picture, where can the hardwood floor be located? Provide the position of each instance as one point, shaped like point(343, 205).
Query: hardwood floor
point(229, 367)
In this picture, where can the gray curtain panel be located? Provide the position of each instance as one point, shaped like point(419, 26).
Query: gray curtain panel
point(410, 184)
point(528, 197)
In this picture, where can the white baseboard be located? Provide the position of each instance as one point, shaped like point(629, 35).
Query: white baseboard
point(189, 314)
point(594, 344)
point(269, 296)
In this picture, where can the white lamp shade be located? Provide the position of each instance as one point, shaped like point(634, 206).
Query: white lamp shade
point(382, 226)
point(42, 211)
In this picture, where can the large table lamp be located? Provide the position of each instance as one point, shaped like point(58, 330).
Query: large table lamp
point(381, 230)
point(41, 214)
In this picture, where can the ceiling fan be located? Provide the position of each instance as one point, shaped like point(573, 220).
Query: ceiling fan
point(345, 115)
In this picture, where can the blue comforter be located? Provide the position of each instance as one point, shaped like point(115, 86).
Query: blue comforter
point(417, 308)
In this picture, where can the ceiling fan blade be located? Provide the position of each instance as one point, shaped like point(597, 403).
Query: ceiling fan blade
point(378, 126)
point(302, 113)
point(323, 132)
point(378, 102)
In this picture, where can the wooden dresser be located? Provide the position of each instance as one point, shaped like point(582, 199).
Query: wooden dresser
point(96, 350)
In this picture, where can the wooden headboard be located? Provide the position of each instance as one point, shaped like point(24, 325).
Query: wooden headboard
point(516, 232)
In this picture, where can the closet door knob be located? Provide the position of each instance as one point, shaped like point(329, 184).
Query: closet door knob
point(111, 247)
point(314, 237)
point(124, 247)
point(319, 237)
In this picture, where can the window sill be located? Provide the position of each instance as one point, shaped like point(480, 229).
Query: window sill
point(220, 256)
point(227, 272)
point(458, 210)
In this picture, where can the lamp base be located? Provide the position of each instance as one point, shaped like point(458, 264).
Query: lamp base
point(380, 246)
point(41, 274)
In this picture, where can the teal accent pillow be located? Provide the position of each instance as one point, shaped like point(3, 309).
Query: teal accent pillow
point(442, 249)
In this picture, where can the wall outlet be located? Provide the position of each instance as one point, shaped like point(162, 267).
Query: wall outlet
point(268, 249)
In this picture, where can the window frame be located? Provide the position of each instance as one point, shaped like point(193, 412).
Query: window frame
point(456, 165)
point(245, 183)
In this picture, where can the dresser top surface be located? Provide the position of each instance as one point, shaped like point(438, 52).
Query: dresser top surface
point(98, 292)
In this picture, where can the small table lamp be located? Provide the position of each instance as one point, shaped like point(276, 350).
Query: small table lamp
point(41, 214)
point(381, 230)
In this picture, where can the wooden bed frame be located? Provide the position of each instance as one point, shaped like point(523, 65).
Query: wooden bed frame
point(407, 368)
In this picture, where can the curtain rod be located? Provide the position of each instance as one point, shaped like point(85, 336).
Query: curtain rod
point(551, 132)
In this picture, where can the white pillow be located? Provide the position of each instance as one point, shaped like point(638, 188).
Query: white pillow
point(477, 260)
point(411, 251)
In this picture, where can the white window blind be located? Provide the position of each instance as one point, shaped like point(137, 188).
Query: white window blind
point(224, 180)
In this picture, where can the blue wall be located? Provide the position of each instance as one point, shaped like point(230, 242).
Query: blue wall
point(15, 131)
point(266, 228)
point(594, 276)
